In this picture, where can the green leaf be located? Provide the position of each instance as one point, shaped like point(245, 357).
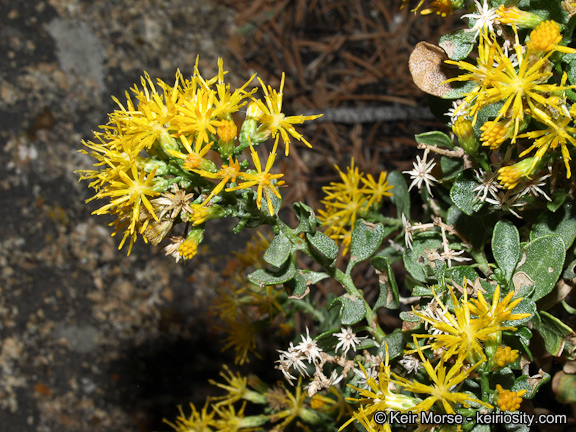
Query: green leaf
point(557, 200)
point(458, 273)
point(421, 291)
point(298, 287)
point(409, 316)
point(486, 113)
point(388, 296)
point(435, 138)
point(396, 344)
point(366, 239)
point(543, 264)
point(463, 194)
point(553, 331)
point(265, 277)
point(457, 44)
point(518, 340)
point(400, 196)
point(415, 259)
point(308, 221)
point(506, 247)
point(562, 222)
point(451, 167)
point(505, 377)
point(477, 238)
point(323, 244)
point(352, 310)
point(530, 383)
point(278, 251)
point(459, 89)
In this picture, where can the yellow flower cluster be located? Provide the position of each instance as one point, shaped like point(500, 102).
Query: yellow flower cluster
point(509, 400)
point(505, 356)
point(461, 334)
point(522, 84)
point(387, 392)
point(155, 156)
point(349, 200)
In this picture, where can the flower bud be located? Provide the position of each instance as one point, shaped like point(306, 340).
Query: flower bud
point(513, 15)
point(466, 137)
point(511, 175)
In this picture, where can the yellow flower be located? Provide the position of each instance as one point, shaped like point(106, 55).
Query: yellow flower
point(237, 388)
point(266, 301)
point(241, 337)
point(189, 247)
point(294, 406)
point(347, 200)
point(519, 89)
point(201, 213)
point(459, 333)
point(441, 389)
point(139, 128)
point(129, 191)
point(231, 102)
point(509, 400)
point(263, 179)
point(441, 7)
point(376, 189)
point(481, 73)
point(273, 120)
point(202, 421)
point(227, 131)
point(194, 159)
point(463, 129)
point(499, 311)
point(505, 356)
point(228, 173)
point(381, 395)
point(558, 133)
point(232, 421)
point(199, 116)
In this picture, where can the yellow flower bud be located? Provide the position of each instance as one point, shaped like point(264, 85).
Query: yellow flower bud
point(511, 175)
point(227, 131)
point(509, 400)
point(545, 37)
point(495, 133)
point(513, 15)
point(505, 356)
point(465, 132)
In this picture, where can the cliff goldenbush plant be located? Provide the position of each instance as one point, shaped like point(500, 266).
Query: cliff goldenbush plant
point(489, 258)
